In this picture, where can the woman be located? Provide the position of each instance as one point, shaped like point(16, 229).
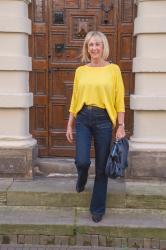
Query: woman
point(97, 102)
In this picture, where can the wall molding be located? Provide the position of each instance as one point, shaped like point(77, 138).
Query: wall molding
point(23, 100)
point(15, 24)
point(15, 63)
point(149, 25)
point(144, 64)
point(138, 102)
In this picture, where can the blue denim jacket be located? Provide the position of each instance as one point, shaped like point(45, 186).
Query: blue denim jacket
point(118, 159)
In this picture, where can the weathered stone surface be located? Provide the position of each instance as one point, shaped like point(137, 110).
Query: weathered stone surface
point(155, 243)
point(147, 243)
point(17, 163)
point(146, 165)
point(125, 223)
point(163, 244)
point(21, 239)
point(61, 166)
point(36, 220)
point(60, 192)
point(136, 243)
point(62, 240)
point(102, 240)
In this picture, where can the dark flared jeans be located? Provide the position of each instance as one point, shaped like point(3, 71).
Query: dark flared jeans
point(94, 123)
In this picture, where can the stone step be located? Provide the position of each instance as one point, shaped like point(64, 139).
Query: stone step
point(51, 167)
point(144, 228)
point(60, 192)
point(53, 247)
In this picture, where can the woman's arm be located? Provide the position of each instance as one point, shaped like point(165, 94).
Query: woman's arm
point(69, 132)
point(120, 133)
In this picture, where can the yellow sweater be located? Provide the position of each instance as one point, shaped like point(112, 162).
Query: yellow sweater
point(99, 86)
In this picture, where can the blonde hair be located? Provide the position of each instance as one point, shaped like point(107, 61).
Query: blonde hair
point(99, 36)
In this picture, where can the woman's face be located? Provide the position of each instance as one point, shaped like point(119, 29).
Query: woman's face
point(95, 48)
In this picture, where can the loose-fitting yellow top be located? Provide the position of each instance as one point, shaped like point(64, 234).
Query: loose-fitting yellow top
point(99, 86)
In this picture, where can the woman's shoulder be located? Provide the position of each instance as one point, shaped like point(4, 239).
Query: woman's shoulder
point(80, 68)
point(114, 66)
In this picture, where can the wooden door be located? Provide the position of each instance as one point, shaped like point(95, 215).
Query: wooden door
point(59, 28)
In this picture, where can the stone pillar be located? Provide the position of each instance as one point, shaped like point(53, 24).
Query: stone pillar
point(148, 143)
point(17, 147)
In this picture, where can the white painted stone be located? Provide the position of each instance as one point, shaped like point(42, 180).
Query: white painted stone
point(17, 142)
point(150, 84)
point(14, 82)
point(13, 8)
point(150, 125)
point(152, 8)
point(10, 100)
point(13, 45)
point(15, 65)
point(139, 102)
point(152, 46)
point(149, 25)
point(19, 63)
point(149, 99)
point(15, 124)
point(144, 145)
point(15, 24)
point(149, 64)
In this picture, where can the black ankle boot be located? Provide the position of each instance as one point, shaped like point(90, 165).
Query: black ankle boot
point(97, 217)
point(81, 182)
point(79, 188)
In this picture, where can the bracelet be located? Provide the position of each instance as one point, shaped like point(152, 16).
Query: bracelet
point(121, 125)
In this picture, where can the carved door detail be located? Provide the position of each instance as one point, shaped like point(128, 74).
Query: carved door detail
point(59, 28)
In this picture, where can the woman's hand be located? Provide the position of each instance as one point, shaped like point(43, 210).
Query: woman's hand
point(120, 133)
point(69, 133)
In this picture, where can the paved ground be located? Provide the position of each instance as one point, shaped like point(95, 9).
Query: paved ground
point(35, 247)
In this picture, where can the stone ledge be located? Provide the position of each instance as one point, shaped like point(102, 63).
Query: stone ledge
point(15, 25)
point(15, 63)
point(138, 102)
point(144, 64)
point(149, 25)
point(23, 100)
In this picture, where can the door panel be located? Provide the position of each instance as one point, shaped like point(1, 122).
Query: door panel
point(59, 28)
point(38, 12)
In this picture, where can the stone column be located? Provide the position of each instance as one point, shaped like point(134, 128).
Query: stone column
point(148, 143)
point(17, 147)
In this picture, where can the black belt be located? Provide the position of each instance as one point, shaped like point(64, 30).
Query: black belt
point(90, 107)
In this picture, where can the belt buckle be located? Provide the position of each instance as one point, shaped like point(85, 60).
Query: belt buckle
point(89, 107)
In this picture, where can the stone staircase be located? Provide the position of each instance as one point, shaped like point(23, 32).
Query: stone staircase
point(48, 211)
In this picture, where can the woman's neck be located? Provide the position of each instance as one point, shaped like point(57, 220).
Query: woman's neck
point(97, 63)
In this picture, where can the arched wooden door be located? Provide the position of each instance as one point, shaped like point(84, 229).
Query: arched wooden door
point(59, 27)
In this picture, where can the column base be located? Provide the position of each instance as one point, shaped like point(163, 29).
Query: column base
point(18, 162)
point(147, 161)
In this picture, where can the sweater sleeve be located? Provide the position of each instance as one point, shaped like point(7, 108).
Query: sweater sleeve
point(74, 95)
point(119, 92)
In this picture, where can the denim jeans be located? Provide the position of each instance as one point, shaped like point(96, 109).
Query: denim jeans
point(94, 123)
